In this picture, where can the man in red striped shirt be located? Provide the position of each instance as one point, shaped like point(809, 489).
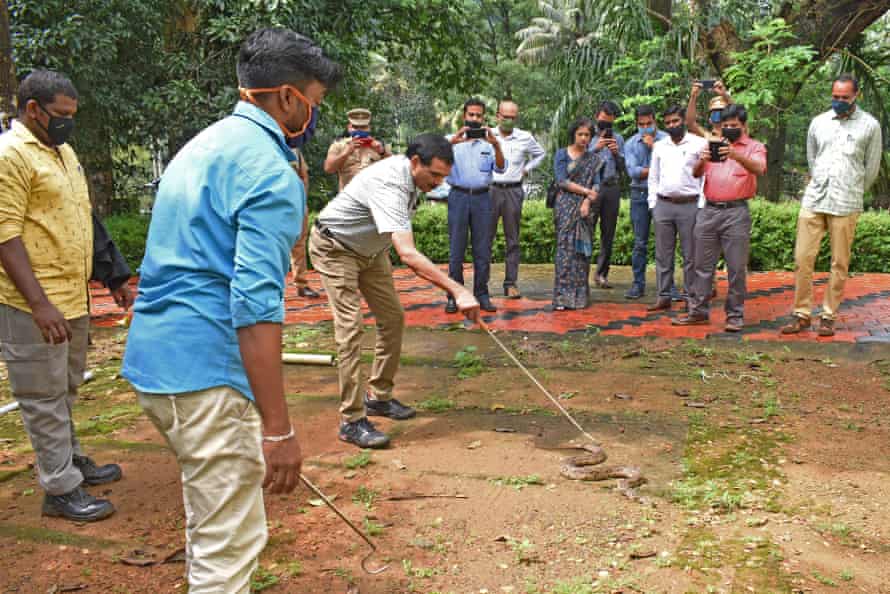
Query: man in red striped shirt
point(725, 222)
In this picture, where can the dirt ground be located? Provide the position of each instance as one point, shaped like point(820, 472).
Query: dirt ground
point(767, 471)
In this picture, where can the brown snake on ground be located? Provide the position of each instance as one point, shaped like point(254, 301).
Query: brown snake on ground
point(584, 467)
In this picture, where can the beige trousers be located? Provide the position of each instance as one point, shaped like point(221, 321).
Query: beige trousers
point(298, 255)
point(347, 277)
point(216, 435)
point(811, 227)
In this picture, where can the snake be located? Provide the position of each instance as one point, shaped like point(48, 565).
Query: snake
point(585, 467)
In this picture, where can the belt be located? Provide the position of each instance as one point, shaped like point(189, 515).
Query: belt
point(729, 203)
point(471, 191)
point(678, 199)
point(507, 184)
point(612, 181)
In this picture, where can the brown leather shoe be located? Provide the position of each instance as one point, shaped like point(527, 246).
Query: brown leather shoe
point(689, 320)
point(826, 327)
point(797, 324)
point(662, 304)
point(512, 292)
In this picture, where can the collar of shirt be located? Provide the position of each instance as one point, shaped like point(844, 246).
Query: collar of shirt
point(854, 115)
point(638, 138)
point(21, 130)
point(262, 118)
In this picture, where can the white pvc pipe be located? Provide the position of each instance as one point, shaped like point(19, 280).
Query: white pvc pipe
point(9, 407)
point(306, 359)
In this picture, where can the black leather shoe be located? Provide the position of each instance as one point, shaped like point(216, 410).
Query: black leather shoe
point(96, 475)
point(363, 434)
point(391, 409)
point(485, 303)
point(77, 505)
point(308, 293)
point(451, 306)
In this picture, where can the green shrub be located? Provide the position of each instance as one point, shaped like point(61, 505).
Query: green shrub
point(129, 231)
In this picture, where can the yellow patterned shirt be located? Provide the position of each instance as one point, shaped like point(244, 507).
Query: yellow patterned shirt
point(44, 201)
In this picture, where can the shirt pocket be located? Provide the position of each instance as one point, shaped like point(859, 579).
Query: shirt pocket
point(486, 162)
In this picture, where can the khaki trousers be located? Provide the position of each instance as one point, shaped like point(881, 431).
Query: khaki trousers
point(216, 435)
point(347, 277)
point(811, 227)
point(44, 379)
point(298, 255)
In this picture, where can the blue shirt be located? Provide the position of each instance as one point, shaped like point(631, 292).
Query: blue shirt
point(474, 163)
point(638, 156)
point(228, 210)
point(612, 164)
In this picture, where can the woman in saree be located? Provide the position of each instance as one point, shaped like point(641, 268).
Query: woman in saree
point(577, 171)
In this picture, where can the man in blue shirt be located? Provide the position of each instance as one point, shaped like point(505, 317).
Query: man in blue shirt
point(609, 146)
point(477, 155)
point(637, 156)
point(204, 349)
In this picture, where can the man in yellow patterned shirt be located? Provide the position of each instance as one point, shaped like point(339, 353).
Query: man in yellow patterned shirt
point(46, 252)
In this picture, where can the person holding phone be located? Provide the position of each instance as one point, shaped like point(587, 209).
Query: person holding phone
point(609, 146)
point(715, 106)
point(357, 150)
point(477, 156)
point(724, 224)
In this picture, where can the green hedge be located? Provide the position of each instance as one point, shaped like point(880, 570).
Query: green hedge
point(772, 241)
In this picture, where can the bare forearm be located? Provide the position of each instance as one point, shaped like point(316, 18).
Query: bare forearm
point(752, 166)
point(260, 346)
point(14, 258)
point(499, 156)
point(333, 164)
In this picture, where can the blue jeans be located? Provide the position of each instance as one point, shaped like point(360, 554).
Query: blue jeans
point(473, 214)
point(640, 219)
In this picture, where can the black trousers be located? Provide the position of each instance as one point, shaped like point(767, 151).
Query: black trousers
point(605, 211)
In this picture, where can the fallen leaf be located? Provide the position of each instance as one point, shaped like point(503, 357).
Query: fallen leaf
point(399, 464)
point(474, 445)
point(622, 396)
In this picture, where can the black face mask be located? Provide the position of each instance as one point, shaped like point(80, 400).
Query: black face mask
point(677, 132)
point(59, 129)
point(603, 125)
point(732, 134)
point(472, 125)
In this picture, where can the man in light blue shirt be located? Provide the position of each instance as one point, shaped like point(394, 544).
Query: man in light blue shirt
point(204, 349)
point(637, 157)
point(609, 146)
point(477, 155)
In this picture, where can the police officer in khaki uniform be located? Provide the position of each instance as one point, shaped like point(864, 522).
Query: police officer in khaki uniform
point(347, 156)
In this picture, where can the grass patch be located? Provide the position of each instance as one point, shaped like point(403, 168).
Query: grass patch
point(468, 363)
point(359, 460)
point(263, 579)
point(436, 404)
point(518, 482)
point(365, 497)
point(110, 421)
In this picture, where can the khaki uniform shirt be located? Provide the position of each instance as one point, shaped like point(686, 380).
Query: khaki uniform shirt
point(44, 200)
point(360, 159)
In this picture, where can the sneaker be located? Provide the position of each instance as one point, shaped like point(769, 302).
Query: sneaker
point(391, 409)
point(734, 326)
point(512, 292)
point(363, 434)
point(689, 320)
point(308, 293)
point(635, 292)
point(77, 505)
point(798, 323)
point(96, 475)
point(826, 327)
point(602, 282)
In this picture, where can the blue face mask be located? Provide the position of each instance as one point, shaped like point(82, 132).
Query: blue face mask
point(301, 140)
point(841, 107)
point(716, 117)
point(644, 131)
point(360, 134)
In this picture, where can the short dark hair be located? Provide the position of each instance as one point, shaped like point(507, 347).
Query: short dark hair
point(42, 86)
point(579, 123)
point(610, 108)
point(847, 77)
point(430, 146)
point(274, 56)
point(672, 109)
point(735, 110)
point(474, 101)
point(644, 110)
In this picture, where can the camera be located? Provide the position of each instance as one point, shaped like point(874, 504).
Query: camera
point(477, 132)
point(708, 84)
point(715, 146)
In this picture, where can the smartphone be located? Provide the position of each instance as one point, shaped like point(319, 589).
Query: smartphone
point(477, 133)
point(707, 84)
point(715, 146)
point(607, 133)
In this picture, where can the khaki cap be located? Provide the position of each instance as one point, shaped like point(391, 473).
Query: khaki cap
point(359, 116)
point(717, 103)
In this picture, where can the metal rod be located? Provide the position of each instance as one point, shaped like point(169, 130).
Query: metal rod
point(355, 529)
point(537, 383)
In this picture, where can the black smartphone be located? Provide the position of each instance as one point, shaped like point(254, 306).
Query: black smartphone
point(607, 133)
point(707, 84)
point(715, 146)
point(476, 133)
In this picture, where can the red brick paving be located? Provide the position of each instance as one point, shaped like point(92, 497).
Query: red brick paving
point(865, 314)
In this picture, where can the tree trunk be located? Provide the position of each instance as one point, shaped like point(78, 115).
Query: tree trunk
point(772, 184)
point(99, 170)
point(660, 11)
point(8, 83)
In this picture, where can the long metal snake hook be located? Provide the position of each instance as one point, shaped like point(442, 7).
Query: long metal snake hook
point(519, 364)
point(364, 536)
